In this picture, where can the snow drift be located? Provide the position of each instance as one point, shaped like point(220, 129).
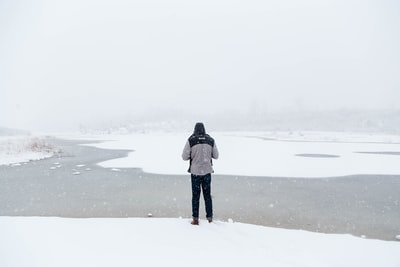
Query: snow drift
point(48, 242)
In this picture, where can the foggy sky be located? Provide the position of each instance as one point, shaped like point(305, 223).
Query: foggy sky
point(68, 62)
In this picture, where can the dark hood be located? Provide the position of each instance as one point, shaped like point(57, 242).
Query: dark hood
point(199, 129)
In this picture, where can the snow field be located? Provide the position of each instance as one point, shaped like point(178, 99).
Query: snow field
point(42, 242)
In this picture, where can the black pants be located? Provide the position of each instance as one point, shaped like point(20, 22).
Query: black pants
point(201, 182)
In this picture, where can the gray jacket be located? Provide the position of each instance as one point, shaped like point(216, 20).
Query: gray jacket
point(200, 150)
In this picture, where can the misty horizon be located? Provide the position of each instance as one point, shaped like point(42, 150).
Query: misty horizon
point(367, 121)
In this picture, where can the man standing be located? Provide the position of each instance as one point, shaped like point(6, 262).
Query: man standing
point(200, 149)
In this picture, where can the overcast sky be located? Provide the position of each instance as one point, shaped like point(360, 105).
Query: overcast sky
point(68, 62)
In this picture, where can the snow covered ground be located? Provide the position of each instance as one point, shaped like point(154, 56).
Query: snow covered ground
point(15, 150)
point(309, 155)
point(48, 242)
point(42, 242)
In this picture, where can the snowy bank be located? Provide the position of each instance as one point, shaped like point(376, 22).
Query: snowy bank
point(18, 149)
point(309, 155)
point(48, 242)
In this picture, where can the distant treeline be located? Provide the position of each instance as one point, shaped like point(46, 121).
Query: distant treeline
point(387, 121)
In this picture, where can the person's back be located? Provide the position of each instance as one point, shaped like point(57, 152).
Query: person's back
point(200, 149)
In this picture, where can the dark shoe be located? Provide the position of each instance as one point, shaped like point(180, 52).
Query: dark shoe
point(209, 220)
point(195, 222)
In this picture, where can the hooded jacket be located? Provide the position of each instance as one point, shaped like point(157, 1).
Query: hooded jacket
point(200, 149)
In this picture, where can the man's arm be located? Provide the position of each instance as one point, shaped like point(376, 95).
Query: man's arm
point(215, 153)
point(186, 151)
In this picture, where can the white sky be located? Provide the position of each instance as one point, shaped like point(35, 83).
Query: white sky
point(68, 62)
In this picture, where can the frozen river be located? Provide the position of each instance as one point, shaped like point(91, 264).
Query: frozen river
point(71, 184)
